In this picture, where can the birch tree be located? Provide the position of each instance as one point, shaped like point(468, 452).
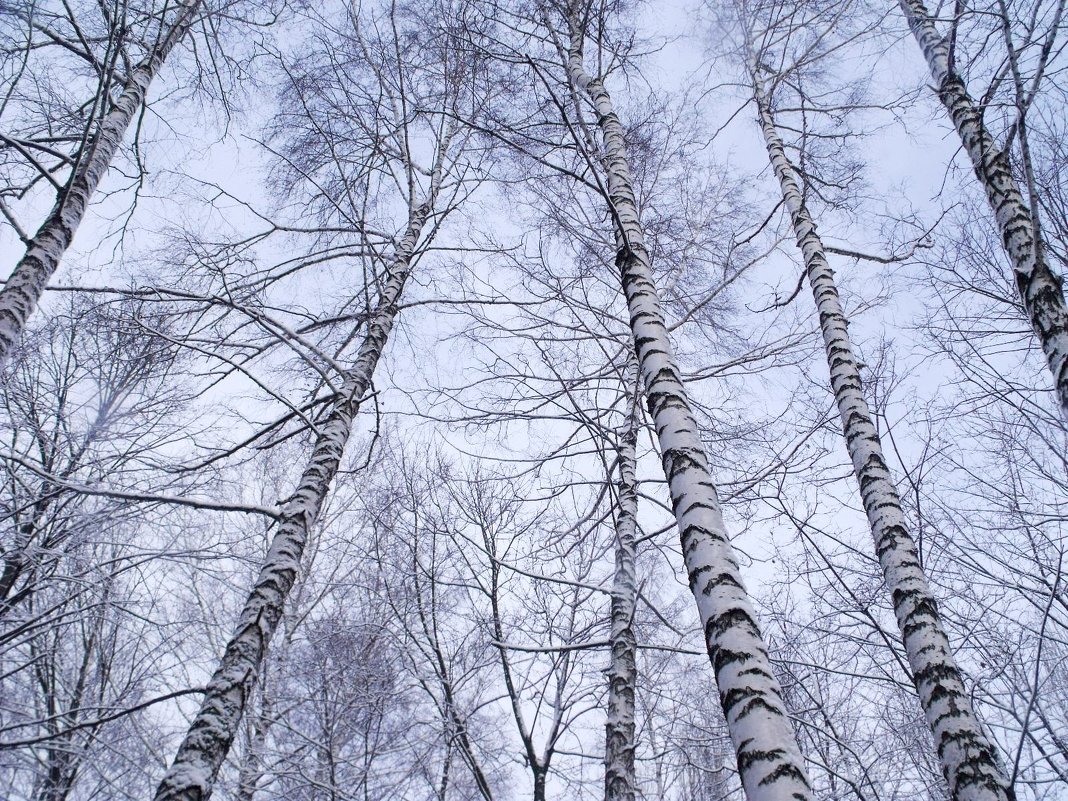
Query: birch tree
point(620, 781)
point(968, 758)
point(386, 325)
point(559, 369)
point(134, 46)
point(1002, 462)
point(1017, 219)
point(768, 758)
point(409, 104)
point(769, 762)
point(213, 729)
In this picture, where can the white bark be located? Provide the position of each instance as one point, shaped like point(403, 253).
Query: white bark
point(967, 757)
point(1040, 290)
point(769, 762)
point(23, 290)
point(211, 733)
point(251, 771)
point(619, 779)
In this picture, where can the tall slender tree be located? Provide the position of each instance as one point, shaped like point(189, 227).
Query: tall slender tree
point(212, 731)
point(968, 758)
point(93, 156)
point(620, 781)
point(1040, 290)
point(769, 762)
point(413, 98)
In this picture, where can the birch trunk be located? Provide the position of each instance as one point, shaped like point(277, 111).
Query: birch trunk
point(211, 733)
point(1040, 290)
point(250, 774)
point(769, 761)
point(967, 757)
point(23, 289)
point(251, 771)
point(18, 556)
point(619, 779)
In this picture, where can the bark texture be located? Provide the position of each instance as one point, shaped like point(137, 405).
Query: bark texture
point(968, 759)
point(1040, 290)
point(23, 289)
point(769, 762)
point(211, 733)
point(619, 779)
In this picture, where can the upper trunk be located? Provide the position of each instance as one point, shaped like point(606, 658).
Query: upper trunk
point(1039, 289)
point(23, 290)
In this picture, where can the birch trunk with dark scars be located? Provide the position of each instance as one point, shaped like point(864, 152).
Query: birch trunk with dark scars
point(1040, 290)
point(967, 757)
point(619, 779)
point(44, 251)
point(769, 761)
point(211, 733)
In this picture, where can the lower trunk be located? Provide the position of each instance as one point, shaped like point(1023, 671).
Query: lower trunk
point(539, 785)
point(968, 759)
point(619, 778)
point(60, 778)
